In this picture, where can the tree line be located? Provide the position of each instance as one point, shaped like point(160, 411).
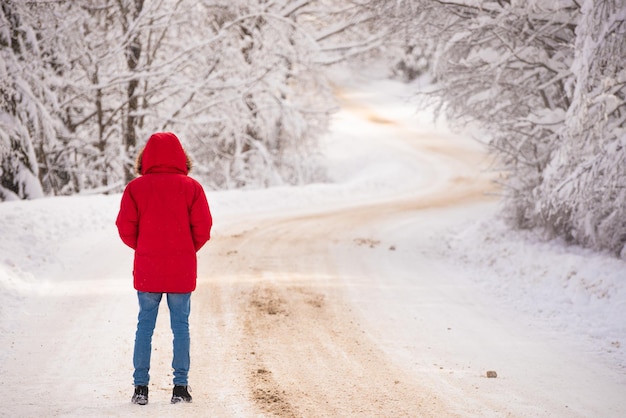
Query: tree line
point(83, 82)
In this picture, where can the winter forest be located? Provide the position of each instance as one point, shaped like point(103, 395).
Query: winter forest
point(245, 85)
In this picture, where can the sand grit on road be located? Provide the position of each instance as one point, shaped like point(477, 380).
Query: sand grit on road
point(293, 338)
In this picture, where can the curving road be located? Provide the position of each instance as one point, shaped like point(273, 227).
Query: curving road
point(283, 295)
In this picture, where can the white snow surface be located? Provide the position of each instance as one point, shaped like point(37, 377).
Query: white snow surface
point(549, 318)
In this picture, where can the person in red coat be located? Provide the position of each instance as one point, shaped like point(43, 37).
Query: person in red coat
point(164, 216)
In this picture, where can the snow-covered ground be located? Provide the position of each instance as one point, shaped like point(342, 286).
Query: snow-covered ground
point(441, 286)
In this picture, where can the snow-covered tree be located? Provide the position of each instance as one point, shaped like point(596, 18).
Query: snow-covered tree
point(110, 48)
point(546, 80)
point(239, 81)
point(26, 103)
point(261, 102)
point(583, 193)
point(250, 97)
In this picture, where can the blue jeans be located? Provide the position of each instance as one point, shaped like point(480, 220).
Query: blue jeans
point(180, 306)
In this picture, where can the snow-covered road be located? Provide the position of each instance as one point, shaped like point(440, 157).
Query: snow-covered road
point(338, 299)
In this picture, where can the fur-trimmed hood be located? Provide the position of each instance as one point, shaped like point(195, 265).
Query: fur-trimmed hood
point(163, 153)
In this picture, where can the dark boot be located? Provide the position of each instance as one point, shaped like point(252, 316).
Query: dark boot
point(140, 397)
point(180, 394)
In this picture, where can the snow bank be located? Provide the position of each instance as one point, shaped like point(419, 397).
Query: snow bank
point(577, 292)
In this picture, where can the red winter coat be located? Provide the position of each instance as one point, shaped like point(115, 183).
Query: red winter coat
point(164, 216)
